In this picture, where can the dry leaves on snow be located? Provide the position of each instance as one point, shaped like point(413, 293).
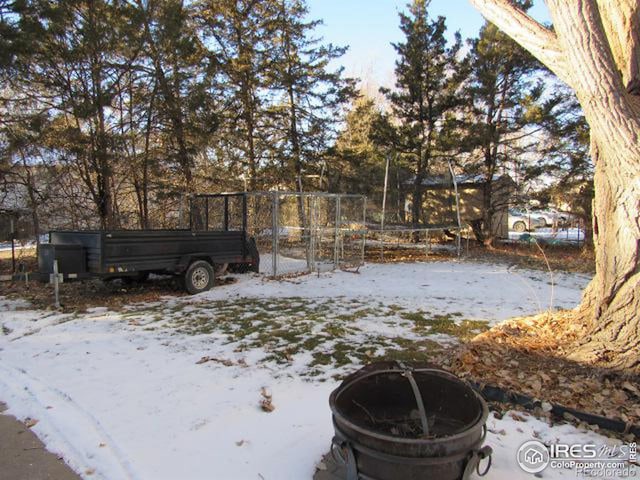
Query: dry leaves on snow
point(266, 402)
point(223, 361)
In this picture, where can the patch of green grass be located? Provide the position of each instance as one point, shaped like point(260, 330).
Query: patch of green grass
point(332, 331)
point(447, 324)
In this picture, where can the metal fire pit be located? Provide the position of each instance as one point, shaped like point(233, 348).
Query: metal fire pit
point(396, 422)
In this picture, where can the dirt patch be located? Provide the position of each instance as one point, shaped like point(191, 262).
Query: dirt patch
point(566, 258)
point(403, 254)
point(79, 296)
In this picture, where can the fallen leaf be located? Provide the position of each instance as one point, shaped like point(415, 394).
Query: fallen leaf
point(266, 402)
point(536, 385)
point(267, 406)
point(544, 376)
point(517, 418)
point(30, 422)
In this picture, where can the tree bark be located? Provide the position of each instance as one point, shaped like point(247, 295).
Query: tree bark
point(595, 50)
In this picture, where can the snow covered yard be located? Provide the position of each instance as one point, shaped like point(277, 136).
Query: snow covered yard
point(171, 390)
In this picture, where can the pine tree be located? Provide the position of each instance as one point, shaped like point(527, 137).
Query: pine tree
point(241, 35)
point(310, 96)
point(426, 95)
point(565, 158)
point(72, 70)
point(358, 157)
point(504, 96)
point(181, 67)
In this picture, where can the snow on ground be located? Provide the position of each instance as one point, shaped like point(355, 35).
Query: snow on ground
point(565, 235)
point(125, 394)
point(485, 291)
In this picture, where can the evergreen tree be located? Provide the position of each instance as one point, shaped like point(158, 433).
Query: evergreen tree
point(310, 96)
point(181, 67)
point(426, 95)
point(72, 70)
point(358, 157)
point(241, 35)
point(506, 109)
point(565, 158)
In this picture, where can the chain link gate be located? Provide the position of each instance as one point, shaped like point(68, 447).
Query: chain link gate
point(307, 232)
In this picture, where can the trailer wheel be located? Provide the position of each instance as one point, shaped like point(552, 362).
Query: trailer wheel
point(199, 277)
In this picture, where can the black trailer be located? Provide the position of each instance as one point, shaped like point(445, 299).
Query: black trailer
point(216, 240)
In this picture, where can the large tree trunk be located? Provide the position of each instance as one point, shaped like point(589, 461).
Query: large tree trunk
point(595, 49)
point(612, 300)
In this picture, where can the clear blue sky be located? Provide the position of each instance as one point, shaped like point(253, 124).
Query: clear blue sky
point(368, 27)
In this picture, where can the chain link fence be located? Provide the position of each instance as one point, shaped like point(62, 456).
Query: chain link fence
point(307, 232)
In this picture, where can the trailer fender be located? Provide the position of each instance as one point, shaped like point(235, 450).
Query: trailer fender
point(188, 259)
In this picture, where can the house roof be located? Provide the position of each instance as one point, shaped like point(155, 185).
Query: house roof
point(433, 182)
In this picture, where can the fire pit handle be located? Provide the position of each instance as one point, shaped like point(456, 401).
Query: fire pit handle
point(474, 462)
point(342, 454)
point(408, 374)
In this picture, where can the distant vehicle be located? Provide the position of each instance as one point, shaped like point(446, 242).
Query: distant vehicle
point(550, 217)
point(195, 255)
point(523, 220)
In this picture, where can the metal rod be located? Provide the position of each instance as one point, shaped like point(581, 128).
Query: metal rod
point(455, 188)
point(275, 236)
point(336, 240)
point(364, 227)
point(270, 192)
point(427, 243)
point(56, 284)
point(226, 213)
point(384, 205)
point(206, 214)
point(311, 256)
point(13, 248)
point(416, 393)
point(244, 213)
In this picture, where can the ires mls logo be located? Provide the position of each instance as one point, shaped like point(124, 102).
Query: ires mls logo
point(586, 460)
point(533, 456)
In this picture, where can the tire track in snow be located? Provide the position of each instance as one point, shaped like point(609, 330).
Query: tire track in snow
point(33, 392)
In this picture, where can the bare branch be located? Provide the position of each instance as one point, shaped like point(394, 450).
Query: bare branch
point(541, 42)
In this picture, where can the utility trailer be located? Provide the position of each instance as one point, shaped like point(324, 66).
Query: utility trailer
point(216, 240)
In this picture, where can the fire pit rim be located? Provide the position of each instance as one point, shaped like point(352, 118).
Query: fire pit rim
point(480, 420)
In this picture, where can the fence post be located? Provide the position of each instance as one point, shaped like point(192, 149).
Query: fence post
point(311, 255)
point(336, 242)
point(364, 229)
point(276, 233)
point(56, 284)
